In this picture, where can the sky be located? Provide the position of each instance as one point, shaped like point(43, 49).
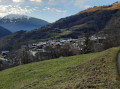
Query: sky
point(49, 10)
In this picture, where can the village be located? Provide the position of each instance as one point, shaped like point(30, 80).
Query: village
point(49, 50)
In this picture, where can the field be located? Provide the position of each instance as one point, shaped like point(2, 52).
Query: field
point(94, 70)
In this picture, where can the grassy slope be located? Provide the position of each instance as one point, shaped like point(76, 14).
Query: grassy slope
point(96, 70)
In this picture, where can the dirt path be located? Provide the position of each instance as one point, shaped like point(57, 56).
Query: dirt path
point(119, 63)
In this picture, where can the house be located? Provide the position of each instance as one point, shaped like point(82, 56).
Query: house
point(24, 47)
point(33, 52)
point(93, 38)
point(4, 52)
point(41, 50)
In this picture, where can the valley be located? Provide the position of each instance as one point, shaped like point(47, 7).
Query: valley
point(97, 22)
point(80, 51)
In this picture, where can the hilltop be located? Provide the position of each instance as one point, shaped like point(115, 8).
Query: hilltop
point(113, 6)
point(95, 70)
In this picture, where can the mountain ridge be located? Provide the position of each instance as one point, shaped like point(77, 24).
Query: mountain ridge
point(113, 6)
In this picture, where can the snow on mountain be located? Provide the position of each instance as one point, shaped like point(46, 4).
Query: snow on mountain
point(15, 22)
point(15, 16)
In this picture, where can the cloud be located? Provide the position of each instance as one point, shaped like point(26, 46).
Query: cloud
point(58, 2)
point(82, 3)
point(51, 2)
point(9, 9)
point(87, 6)
point(39, 1)
point(63, 1)
point(79, 2)
point(60, 11)
point(17, 1)
point(54, 10)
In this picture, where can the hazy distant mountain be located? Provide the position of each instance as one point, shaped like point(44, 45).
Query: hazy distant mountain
point(4, 32)
point(14, 22)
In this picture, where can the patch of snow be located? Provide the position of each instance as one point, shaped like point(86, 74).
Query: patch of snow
point(15, 16)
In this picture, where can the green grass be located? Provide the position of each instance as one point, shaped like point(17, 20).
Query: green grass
point(35, 41)
point(95, 70)
point(72, 29)
point(64, 33)
point(79, 26)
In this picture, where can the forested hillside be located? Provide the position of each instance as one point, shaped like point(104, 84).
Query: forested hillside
point(102, 20)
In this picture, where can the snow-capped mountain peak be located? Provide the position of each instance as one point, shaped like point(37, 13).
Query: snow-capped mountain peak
point(15, 16)
point(16, 22)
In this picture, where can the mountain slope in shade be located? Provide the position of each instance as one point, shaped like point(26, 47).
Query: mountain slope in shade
point(103, 21)
point(4, 32)
point(15, 22)
point(92, 20)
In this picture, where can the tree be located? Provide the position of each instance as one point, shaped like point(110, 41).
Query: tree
point(86, 48)
point(1, 65)
point(24, 58)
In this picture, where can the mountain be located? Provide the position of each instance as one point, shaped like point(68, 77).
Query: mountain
point(102, 20)
point(4, 32)
point(15, 22)
point(88, 71)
